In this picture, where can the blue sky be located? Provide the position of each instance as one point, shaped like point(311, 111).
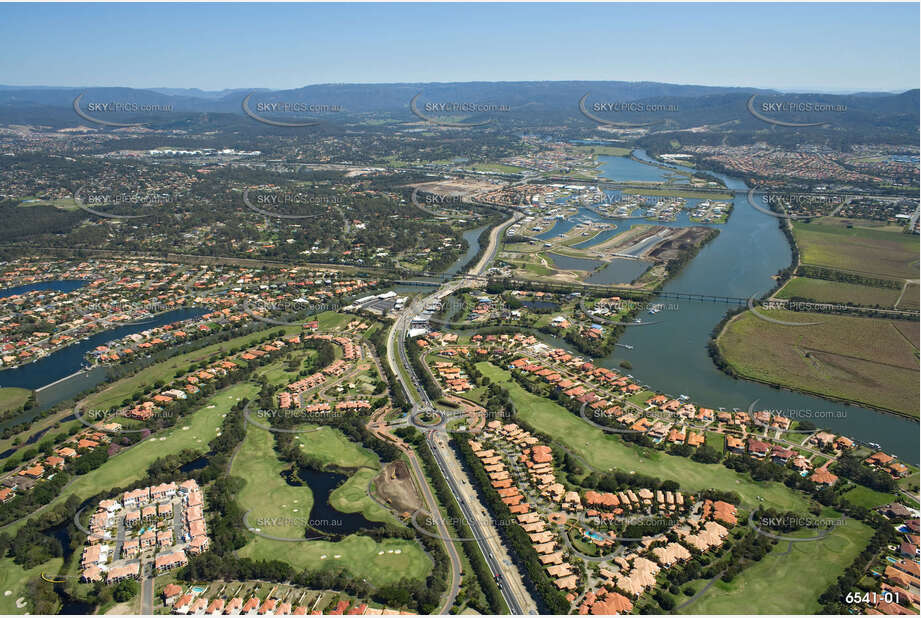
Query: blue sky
point(214, 46)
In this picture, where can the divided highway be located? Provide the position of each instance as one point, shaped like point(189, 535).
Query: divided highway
point(485, 534)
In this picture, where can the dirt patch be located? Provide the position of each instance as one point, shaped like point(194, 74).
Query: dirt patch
point(394, 487)
point(684, 240)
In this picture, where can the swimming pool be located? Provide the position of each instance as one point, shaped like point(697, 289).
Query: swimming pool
point(593, 535)
point(198, 589)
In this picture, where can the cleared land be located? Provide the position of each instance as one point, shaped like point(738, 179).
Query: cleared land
point(875, 253)
point(607, 452)
point(786, 582)
point(865, 360)
point(824, 291)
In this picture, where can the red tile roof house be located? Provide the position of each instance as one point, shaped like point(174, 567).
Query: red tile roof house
point(758, 449)
point(823, 477)
point(781, 455)
point(184, 604)
point(166, 562)
point(171, 594)
point(734, 445)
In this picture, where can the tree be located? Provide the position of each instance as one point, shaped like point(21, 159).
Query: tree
point(125, 590)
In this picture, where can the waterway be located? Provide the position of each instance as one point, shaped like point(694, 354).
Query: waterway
point(740, 262)
point(59, 285)
point(323, 516)
point(473, 245)
point(59, 376)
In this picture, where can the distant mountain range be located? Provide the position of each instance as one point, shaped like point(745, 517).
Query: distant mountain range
point(695, 105)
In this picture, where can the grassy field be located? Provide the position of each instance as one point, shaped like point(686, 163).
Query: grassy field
point(266, 492)
point(786, 583)
point(607, 452)
point(887, 254)
point(64, 203)
point(191, 432)
point(11, 398)
point(824, 291)
point(269, 496)
point(379, 563)
point(865, 360)
point(332, 446)
point(910, 299)
point(276, 373)
point(867, 498)
point(13, 580)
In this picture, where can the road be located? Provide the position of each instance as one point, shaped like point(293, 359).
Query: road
point(484, 530)
point(147, 591)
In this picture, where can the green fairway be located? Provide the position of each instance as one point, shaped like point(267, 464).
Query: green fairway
point(865, 360)
point(868, 498)
point(332, 446)
point(607, 452)
point(13, 581)
point(378, 562)
point(193, 431)
point(786, 583)
point(824, 291)
point(282, 510)
point(352, 497)
point(266, 492)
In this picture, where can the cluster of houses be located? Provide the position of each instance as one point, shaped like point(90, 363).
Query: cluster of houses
point(537, 459)
point(292, 396)
point(190, 603)
point(607, 506)
point(117, 292)
point(897, 567)
point(700, 526)
point(699, 531)
point(164, 521)
point(112, 292)
point(191, 382)
point(138, 344)
point(30, 473)
point(887, 463)
point(452, 377)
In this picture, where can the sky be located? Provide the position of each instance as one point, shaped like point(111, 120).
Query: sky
point(817, 47)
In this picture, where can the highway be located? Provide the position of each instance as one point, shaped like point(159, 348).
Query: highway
point(512, 585)
point(484, 529)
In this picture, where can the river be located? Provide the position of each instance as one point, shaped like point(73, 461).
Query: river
point(740, 262)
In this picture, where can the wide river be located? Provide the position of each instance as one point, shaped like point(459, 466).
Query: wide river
point(671, 355)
